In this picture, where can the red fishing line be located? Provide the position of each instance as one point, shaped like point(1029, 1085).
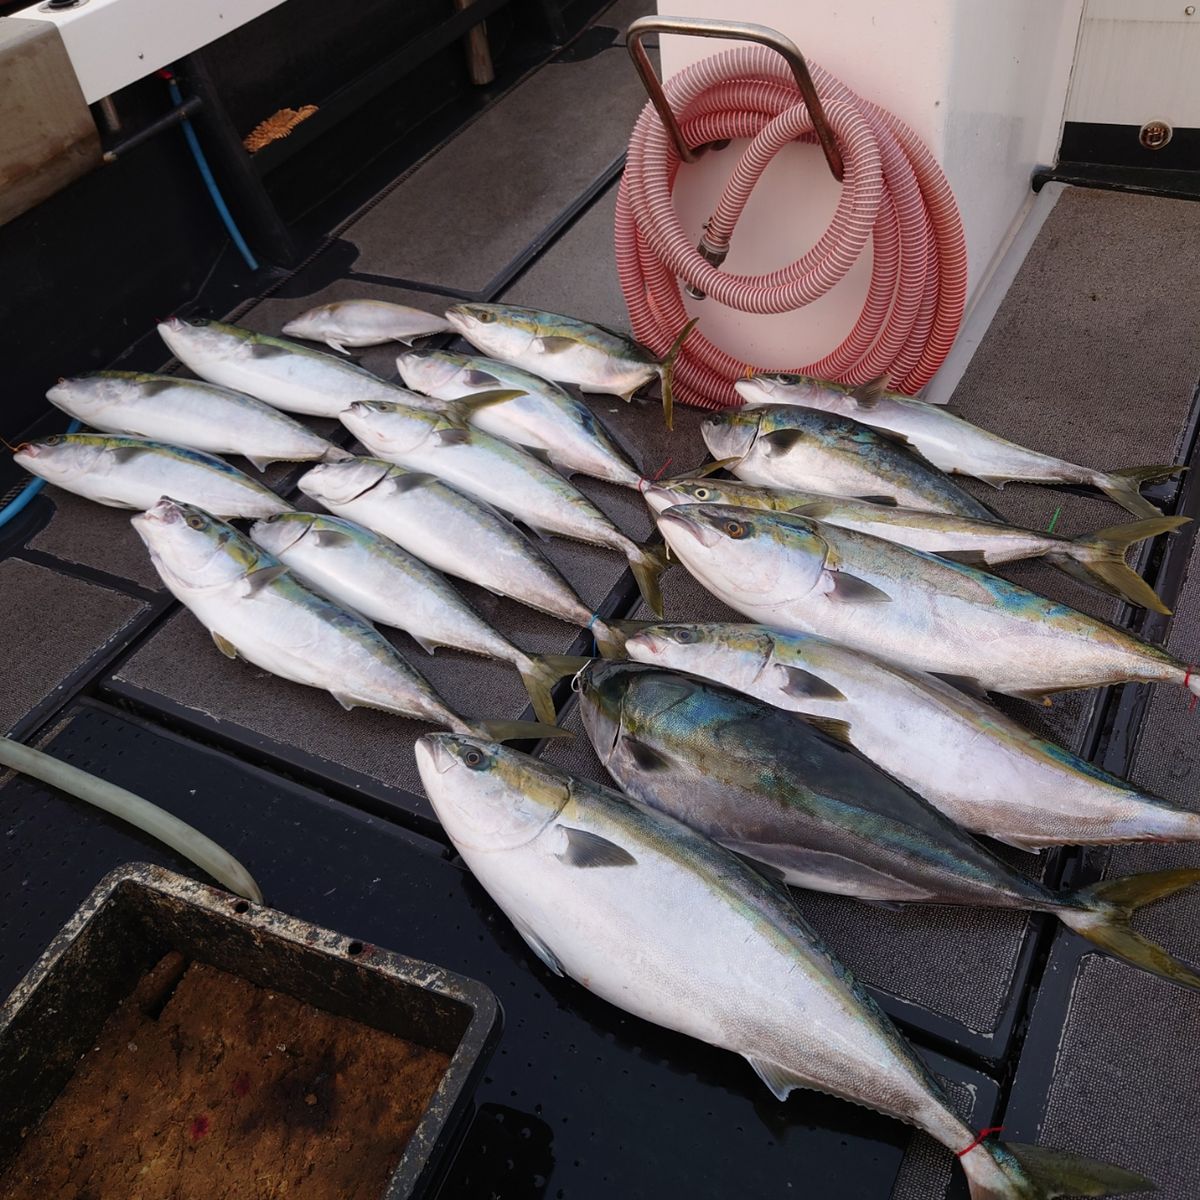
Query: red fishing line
point(983, 1133)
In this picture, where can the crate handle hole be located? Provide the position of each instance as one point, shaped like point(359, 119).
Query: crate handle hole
point(241, 906)
point(354, 948)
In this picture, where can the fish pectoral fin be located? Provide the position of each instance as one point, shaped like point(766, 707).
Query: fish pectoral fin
point(265, 350)
point(780, 1080)
point(972, 558)
point(541, 454)
point(410, 481)
point(883, 501)
point(425, 644)
point(849, 589)
point(332, 537)
point(585, 849)
point(646, 758)
point(804, 685)
point(535, 943)
point(259, 464)
point(257, 580)
point(868, 394)
point(554, 345)
point(225, 646)
point(967, 684)
point(779, 441)
point(124, 454)
point(452, 435)
point(345, 701)
point(477, 378)
point(838, 730)
point(337, 346)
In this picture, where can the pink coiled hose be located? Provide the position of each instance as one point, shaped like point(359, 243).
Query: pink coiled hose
point(893, 191)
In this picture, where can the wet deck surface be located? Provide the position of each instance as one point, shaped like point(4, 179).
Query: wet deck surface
point(1026, 1025)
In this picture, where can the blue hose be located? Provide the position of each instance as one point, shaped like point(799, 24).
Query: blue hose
point(209, 182)
point(19, 502)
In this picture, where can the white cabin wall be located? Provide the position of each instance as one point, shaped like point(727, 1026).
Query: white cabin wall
point(984, 84)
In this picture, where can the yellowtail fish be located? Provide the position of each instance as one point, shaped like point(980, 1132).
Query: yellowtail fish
point(915, 609)
point(1096, 558)
point(364, 323)
point(951, 443)
point(980, 768)
point(191, 413)
point(667, 925)
point(257, 610)
point(129, 472)
point(568, 350)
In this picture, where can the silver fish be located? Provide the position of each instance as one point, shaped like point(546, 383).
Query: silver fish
point(785, 446)
point(281, 373)
point(191, 413)
point(453, 533)
point(364, 323)
point(951, 443)
point(495, 472)
point(372, 576)
point(568, 350)
point(982, 769)
point(541, 417)
point(255, 609)
point(915, 609)
point(668, 926)
point(790, 794)
point(129, 472)
point(1096, 558)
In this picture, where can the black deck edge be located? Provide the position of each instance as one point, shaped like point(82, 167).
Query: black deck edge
point(1174, 185)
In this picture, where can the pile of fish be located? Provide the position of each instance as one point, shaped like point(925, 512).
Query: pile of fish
point(841, 740)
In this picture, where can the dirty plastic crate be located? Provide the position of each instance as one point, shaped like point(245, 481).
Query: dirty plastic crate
point(140, 913)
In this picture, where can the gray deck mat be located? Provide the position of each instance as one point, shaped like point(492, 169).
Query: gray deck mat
point(53, 624)
point(463, 215)
point(1120, 1084)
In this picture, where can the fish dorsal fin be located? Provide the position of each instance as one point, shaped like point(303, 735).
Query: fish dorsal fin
point(411, 480)
point(839, 731)
point(849, 589)
point(535, 943)
point(332, 537)
point(868, 394)
point(266, 350)
point(225, 646)
point(967, 684)
point(804, 685)
point(257, 580)
point(780, 441)
point(553, 344)
point(646, 758)
point(586, 849)
point(780, 1080)
point(882, 501)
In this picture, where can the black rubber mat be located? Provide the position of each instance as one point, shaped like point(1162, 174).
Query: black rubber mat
point(54, 627)
point(579, 1099)
point(475, 206)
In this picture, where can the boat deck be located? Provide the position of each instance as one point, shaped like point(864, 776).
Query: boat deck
point(1090, 354)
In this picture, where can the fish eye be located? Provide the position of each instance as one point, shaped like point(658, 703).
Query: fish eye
point(486, 316)
point(198, 322)
point(473, 758)
point(56, 440)
point(685, 635)
point(701, 493)
point(735, 529)
point(195, 521)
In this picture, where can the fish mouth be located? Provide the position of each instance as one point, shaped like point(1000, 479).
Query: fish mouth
point(755, 388)
point(296, 326)
point(165, 512)
point(652, 643)
point(658, 497)
point(24, 451)
point(671, 519)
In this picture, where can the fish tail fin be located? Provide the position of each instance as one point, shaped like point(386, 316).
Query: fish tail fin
point(667, 372)
point(648, 564)
point(1101, 913)
point(1124, 486)
point(1014, 1171)
point(514, 731)
point(1102, 556)
point(540, 672)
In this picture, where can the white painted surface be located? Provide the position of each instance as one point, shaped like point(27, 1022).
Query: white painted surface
point(984, 84)
point(113, 43)
point(1138, 60)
